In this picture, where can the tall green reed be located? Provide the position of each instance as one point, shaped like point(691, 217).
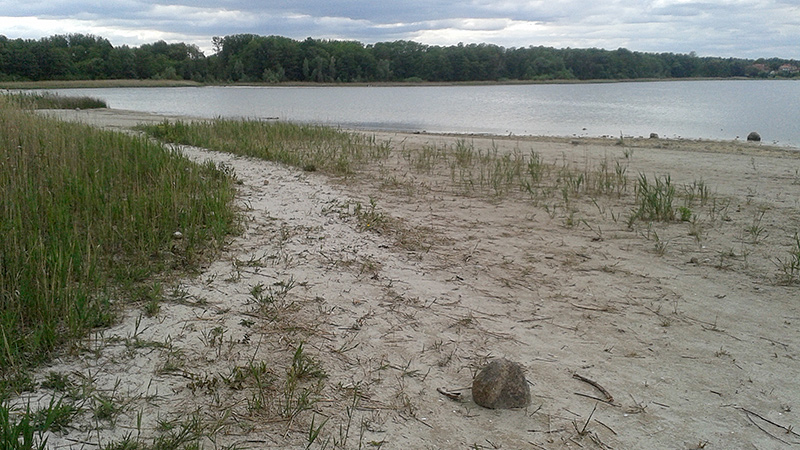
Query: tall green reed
point(46, 100)
point(83, 212)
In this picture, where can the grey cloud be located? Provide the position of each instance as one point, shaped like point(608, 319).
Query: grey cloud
point(715, 27)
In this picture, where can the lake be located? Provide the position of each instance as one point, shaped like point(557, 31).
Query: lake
point(701, 109)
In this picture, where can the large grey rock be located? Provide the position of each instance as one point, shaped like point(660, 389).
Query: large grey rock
point(754, 137)
point(501, 384)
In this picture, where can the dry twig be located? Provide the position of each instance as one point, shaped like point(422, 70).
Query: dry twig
point(765, 431)
point(749, 413)
point(609, 397)
point(451, 395)
point(591, 308)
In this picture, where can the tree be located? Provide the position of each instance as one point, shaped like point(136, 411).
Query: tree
point(249, 57)
point(20, 60)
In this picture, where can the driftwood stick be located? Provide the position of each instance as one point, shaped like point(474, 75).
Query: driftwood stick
point(609, 397)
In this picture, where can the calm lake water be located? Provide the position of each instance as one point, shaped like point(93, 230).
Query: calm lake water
point(722, 110)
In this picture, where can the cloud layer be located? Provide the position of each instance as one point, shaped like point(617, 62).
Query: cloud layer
point(740, 28)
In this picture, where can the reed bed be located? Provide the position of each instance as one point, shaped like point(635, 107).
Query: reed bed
point(85, 212)
point(47, 100)
point(309, 147)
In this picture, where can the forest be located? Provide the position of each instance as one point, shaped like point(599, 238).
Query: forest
point(252, 58)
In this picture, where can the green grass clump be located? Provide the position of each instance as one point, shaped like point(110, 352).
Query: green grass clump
point(309, 147)
point(20, 431)
point(655, 199)
point(55, 101)
point(84, 211)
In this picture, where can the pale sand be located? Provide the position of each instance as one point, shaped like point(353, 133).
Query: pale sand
point(693, 337)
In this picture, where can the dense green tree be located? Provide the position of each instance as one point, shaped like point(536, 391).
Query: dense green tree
point(19, 60)
point(405, 58)
point(253, 58)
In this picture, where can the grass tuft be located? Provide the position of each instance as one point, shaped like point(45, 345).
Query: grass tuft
point(655, 200)
point(789, 267)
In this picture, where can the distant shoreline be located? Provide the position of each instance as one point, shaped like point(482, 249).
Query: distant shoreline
point(95, 84)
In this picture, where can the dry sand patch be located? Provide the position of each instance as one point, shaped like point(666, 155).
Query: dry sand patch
point(684, 326)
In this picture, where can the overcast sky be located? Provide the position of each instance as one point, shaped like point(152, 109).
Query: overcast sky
point(739, 28)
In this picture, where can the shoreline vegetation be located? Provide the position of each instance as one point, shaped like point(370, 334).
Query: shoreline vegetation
point(134, 83)
point(90, 217)
point(249, 58)
point(308, 147)
point(54, 101)
point(70, 84)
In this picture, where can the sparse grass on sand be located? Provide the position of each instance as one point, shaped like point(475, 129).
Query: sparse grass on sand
point(309, 147)
point(86, 215)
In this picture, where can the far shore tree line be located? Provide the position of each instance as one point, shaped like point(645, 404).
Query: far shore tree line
point(275, 59)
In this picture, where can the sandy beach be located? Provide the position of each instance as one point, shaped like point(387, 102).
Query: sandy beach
point(400, 284)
